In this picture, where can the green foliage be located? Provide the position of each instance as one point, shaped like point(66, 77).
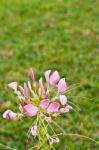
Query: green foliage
point(55, 34)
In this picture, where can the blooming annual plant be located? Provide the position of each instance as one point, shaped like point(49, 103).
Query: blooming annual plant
point(42, 101)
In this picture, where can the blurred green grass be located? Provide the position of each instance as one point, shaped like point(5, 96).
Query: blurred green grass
point(52, 34)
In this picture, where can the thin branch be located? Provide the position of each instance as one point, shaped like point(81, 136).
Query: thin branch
point(79, 135)
point(7, 147)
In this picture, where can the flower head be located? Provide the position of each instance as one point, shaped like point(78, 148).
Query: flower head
point(39, 98)
point(44, 101)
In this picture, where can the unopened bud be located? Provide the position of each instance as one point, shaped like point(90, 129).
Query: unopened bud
point(33, 130)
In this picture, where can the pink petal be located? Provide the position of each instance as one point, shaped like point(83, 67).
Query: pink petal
point(13, 85)
point(66, 109)
point(62, 86)
point(63, 99)
point(8, 114)
point(30, 109)
point(25, 90)
point(31, 73)
point(5, 114)
point(44, 103)
point(12, 115)
point(42, 86)
point(47, 75)
point(33, 130)
point(54, 78)
point(53, 107)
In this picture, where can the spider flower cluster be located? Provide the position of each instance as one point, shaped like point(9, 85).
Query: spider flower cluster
point(39, 99)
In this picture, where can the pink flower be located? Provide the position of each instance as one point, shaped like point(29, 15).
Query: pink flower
point(62, 86)
point(9, 114)
point(53, 107)
point(63, 99)
point(13, 85)
point(25, 91)
point(30, 109)
point(54, 78)
point(44, 103)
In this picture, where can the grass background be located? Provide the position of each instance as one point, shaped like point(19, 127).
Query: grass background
point(51, 34)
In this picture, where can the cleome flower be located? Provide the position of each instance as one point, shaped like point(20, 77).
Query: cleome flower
point(35, 98)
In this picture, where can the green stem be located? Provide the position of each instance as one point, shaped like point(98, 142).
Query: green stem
point(2, 145)
point(44, 137)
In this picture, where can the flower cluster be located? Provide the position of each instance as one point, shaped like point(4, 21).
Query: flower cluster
point(35, 98)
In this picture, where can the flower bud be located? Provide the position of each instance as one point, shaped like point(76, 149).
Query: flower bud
point(21, 108)
point(9, 114)
point(13, 85)
point(66, 109)
point(21, 88)
point(33, 130)
point(31, 73)
point(25, 91)
point(42, 88)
